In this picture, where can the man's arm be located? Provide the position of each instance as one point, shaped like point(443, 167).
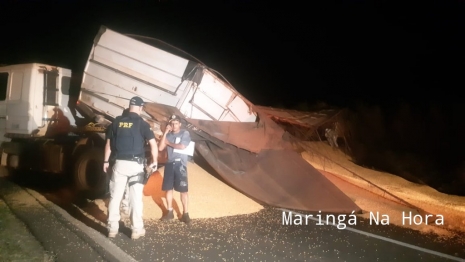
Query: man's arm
point(164, 141)
point(154, 150)
point(106, 156)
point(175, 146)
point(185, 139)
point(149, 136)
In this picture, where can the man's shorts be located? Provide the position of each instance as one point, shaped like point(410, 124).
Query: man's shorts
point(175, 177)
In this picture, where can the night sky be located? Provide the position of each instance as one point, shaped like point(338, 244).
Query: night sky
point(277, 54)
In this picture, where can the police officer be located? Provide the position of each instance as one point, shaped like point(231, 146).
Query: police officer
point(127, 136)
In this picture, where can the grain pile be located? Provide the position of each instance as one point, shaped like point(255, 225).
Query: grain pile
point(208, 197)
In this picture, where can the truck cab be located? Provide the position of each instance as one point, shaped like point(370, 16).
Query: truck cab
point(31, 96)
point(40, 129)
point(36, 120)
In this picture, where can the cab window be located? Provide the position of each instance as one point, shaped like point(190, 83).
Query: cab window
point(3, 85)
point(65, 82)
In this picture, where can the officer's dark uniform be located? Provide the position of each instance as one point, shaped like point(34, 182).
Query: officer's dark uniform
point(128, 135)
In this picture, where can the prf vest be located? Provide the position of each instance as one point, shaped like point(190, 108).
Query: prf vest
point(127, 136)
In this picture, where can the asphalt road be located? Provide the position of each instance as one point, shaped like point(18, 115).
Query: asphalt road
point(262, 236)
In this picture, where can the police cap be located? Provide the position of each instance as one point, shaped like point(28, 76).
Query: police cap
point(136, 101)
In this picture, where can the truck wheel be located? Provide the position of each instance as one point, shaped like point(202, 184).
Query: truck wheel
point(88, 173)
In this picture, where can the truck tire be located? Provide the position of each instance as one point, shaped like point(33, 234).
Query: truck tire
point(89, 177)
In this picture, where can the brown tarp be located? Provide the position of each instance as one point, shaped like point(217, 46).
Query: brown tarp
point(253, 137)
point(258, 160)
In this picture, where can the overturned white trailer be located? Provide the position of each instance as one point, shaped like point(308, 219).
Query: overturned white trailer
point(120, 67)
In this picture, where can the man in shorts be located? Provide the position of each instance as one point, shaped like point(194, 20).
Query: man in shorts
point(175, 174)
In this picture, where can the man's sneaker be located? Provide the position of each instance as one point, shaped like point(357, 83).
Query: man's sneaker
point(168, 216)
point(185, 218)
point(137, 233)
point(112, 232)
